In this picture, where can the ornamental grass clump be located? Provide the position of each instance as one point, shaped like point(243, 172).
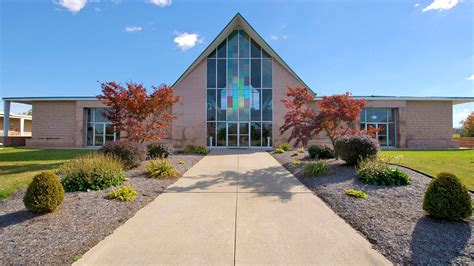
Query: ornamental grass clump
point(356, 193)
point(373, 172)
point(161, 168)
point(156, 150)
point(316, 168)
point(92, 172)
point(44, 194)
point(279, 150)
point(446, 197)
point(125, 193)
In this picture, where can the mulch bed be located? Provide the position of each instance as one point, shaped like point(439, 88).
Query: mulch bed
point(84, 219)
point(392, 218)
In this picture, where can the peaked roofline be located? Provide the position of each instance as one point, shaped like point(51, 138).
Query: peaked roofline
point(238, 20)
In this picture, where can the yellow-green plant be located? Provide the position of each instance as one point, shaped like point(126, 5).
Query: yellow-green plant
point(356, 193)
point(301, 150)
point(285, 147)
point(279, 150)
point(297, 162)
point(161, 168)
point(125, 193)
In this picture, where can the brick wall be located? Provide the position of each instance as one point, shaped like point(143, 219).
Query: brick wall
point(53, 124)
point(427, 124)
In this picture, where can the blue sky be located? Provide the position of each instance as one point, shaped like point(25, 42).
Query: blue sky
point(404, 48)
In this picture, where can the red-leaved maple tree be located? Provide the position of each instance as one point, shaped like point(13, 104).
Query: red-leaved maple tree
point(141, 115)
point(336, 116)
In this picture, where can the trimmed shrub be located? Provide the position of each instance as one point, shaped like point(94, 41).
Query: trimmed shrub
point(320, 152)
point(316, 168)
point(125, 193)
point(44, 194)
point(356, 148)
point(92, 172)
point(373, 172)
point(156, 150)
point(285, 147)
point(191, 149)
point(356, 193)
point(446, 197)
point(279, 150)
point(161, 168)
point(131, 154)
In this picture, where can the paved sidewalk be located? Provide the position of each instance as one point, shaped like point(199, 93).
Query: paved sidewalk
point(235, 207)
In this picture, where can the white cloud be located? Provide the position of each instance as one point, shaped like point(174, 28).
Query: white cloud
point(285, 37)
point(417, 4)
point(73, 5)
point(161, 3)
point(186, 40)
point(470, 78)
point(132, 29)
point(96, 9)
point(273, 37)
point(441, 5)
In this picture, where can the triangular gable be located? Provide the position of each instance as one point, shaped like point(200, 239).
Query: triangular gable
point(238, 22)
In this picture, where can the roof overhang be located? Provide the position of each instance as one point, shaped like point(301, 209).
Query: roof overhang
point(455, 100)
point(238, 22)
point(30, 100)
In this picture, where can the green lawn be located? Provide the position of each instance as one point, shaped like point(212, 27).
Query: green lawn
point(18, 166)
point(432, 162)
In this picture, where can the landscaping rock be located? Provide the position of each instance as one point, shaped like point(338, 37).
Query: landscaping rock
point(84, 219)
point(392, 218)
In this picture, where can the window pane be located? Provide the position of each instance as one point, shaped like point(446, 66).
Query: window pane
point(232, 105)
point(266, 105)
point(266, 73)
point(211, 133)
point(221, 73)
point(90, 134)
point(265, 54)
point(221, 104)
point(232, 128)
point(376, 114)
point(90, 114)
point(392, 135)
point(232, 73)
point(244, 104)
point(267, 134)
point(256, 73)
point(99, 134)
point(212, 55)
point(232, 47)
point(256, 134)
point(362, 126)
point(222, 49)
point(99, 115)
point(362, 115)
point(255, 102)
point(109, 133)
point(221, 134)
point(211, 73)
point(391, 115)
point(244, 45)
point(255, 50)
point(243, 128)
point(211, 105)
point(383, 140)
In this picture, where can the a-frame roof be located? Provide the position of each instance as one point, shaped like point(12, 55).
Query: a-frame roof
point(238, 22)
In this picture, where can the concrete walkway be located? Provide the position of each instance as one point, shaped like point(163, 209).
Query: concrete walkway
point(235, 207)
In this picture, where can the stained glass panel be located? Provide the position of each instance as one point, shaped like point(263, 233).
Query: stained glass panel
point(244, 45)
point(233, 45)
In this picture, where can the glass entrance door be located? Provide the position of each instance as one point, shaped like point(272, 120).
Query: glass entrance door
point(238, 134)
point(381, 135)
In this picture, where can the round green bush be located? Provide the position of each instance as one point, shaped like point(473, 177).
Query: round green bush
point(320, 152)
point(92, 172)
point(156, 150)
point(131, 154)
point(446, 197)
point(44, 194)
point(356, 148)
